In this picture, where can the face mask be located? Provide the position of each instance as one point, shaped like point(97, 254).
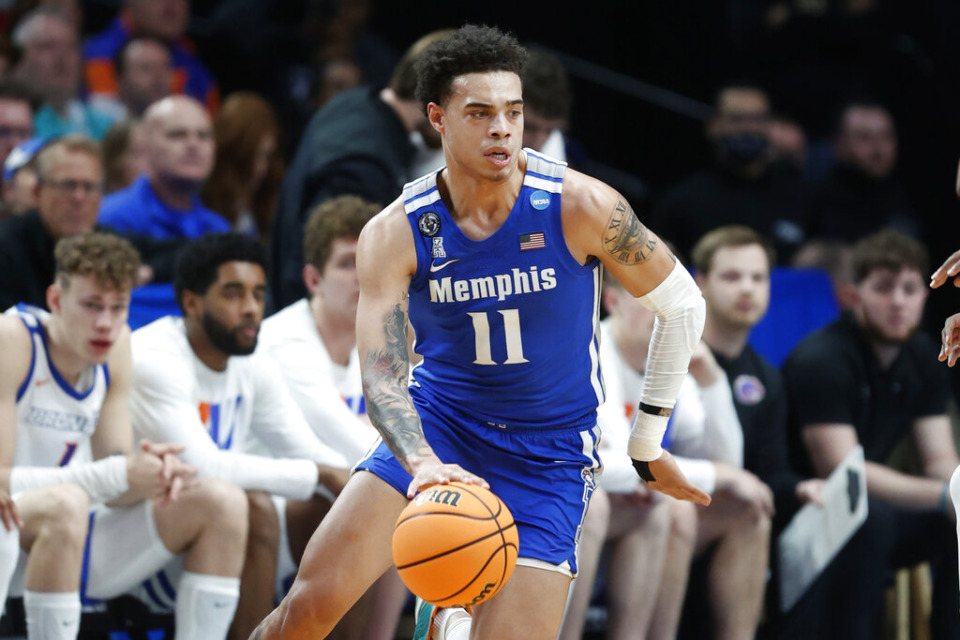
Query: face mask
point(742, 149)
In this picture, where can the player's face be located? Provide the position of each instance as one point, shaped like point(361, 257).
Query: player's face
point(890, 304)
point(92, 314)
point(339, 288)
point(482, 123)
point(68, 198)
point(233, 307)
point(737, 289)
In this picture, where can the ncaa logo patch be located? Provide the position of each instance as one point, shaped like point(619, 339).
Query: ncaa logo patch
point(748, 390)
point(540, 199)
point(429, 224)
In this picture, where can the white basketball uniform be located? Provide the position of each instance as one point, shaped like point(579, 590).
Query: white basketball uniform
point(54, 423)
point(240, 424)
point(704, 427)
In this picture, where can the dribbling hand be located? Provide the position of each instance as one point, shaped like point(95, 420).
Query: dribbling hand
point(668, 479)
point(431, 471)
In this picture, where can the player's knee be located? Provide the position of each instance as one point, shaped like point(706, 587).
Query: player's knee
point(683, 521)
point(315, 603)
point(65, 513)
point(264, 519)
point(223, 504)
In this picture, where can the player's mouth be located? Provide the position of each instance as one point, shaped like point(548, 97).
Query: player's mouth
point(101, 346)
point(248, 332)
point(498, 156)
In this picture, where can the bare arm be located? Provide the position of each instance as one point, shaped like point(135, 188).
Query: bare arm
point(934, 438)
point(386, 262)
point(829, 444)
point(16, 349)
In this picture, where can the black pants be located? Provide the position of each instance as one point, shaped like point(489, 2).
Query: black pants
point(846, 601)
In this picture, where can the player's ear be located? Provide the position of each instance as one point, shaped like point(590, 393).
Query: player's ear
point(192, 304)
point(53, 297)
point(311, 278)
point(435, 116)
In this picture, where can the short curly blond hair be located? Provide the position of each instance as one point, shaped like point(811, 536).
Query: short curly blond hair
point(109, 259)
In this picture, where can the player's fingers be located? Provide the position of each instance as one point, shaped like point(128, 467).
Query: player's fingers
point(7, 518)
point(175, 487)
point(693, 494)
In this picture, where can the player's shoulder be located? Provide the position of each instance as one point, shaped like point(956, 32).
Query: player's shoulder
point(387, 235)
point(16, 345)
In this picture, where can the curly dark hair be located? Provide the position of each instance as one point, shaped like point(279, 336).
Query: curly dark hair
point(471, 49)
point(107, 258)
point(199, 261)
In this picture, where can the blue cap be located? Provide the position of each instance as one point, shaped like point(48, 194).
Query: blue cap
point(21, 155)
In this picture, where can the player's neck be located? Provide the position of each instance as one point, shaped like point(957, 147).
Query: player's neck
point(68, 364)
point(484, 202)
point(727, 340)
point(339, 334)
point(178, 195)
point(205, 351)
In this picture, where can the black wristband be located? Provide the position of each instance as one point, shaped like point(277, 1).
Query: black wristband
point(643, 468)
point(655, 411)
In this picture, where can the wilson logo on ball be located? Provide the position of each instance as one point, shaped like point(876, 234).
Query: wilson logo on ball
point(439, 496)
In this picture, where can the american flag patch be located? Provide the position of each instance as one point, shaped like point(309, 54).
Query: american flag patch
point(530, 241)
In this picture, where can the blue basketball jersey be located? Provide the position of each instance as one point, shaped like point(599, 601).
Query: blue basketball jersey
point(508, 326)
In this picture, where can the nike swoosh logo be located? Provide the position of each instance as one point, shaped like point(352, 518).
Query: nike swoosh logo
point(40, 383)
point(443, 265)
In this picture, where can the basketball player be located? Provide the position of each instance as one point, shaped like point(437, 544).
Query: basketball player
point(501, 280)
point(950, 336)
point(196, 384)
point(63, 409)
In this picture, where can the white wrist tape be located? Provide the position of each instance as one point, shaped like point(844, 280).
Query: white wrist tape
point(103, 480)
point(681, 312)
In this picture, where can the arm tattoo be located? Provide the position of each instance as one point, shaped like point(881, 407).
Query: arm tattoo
point(385, 385)
point(625, 238)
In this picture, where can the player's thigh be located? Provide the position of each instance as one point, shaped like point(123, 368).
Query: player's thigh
point(352, 546)
point(124, 548)
point(726, 516)
point(66, 506)
point(529, 607)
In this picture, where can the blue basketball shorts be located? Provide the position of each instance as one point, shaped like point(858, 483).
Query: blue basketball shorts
point(544, 476)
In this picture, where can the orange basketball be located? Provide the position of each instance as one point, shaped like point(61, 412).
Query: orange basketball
point(455, 545)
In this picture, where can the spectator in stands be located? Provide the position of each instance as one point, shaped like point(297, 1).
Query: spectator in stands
point(165, 203)
point(16, 116)
point(314, 342)
point(50, 65)
point(206, 360)
point(248, 168)
point(871, 379)
point(743, 186)
point(144, 67)
point(335, 76)
point(125, 154)
point(547, 101)
point(861, 195)
point(69, 187)
point(358, 144)
point(20, 179)
point(733, 266)
point(163, 19)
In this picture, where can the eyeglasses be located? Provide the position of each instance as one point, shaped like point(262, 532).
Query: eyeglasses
point(15, 132)
point(70, 186)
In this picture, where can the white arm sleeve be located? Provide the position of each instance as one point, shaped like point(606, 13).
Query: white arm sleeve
point(279, 424)
point(680, 313)
point(724, 435)
point(103, 480)
point(161, 409)
point(316, 394)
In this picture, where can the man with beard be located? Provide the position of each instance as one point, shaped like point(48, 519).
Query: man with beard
point(870, 379)
point(198, 382)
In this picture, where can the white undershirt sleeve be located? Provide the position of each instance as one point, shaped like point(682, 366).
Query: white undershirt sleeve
point(162, 410)
point(315, 392)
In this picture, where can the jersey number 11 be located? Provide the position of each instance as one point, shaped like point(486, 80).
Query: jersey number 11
point(511, 330)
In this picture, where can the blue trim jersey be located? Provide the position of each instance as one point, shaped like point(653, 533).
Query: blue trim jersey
point(54, 418)
point(507, 326)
